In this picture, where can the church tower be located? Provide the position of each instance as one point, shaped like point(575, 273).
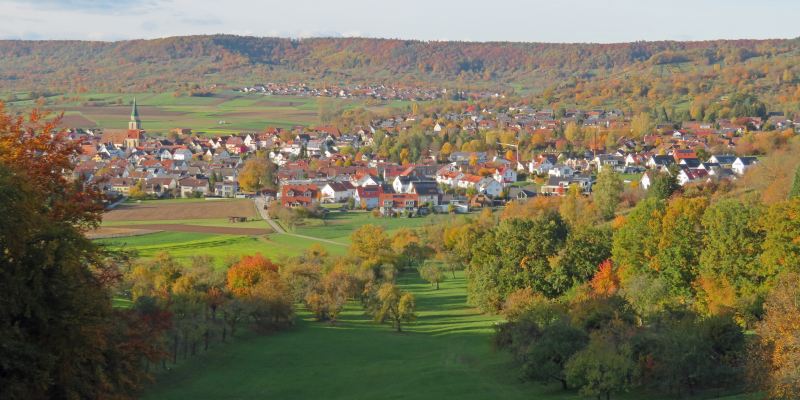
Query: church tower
point(135, 122)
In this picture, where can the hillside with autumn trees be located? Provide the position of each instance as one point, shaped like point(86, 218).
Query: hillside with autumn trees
point(659, 74)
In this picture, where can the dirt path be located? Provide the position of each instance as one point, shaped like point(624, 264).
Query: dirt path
point(260, 203)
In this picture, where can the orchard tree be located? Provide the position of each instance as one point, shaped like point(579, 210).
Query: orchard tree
point(432, 273)
point(395, 306)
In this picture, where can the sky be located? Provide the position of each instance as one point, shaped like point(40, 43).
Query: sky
point(602, 21)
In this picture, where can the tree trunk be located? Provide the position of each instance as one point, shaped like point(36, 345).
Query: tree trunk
point(175, 351)
point(224, 332)
point(437, 285)
point(205, 337)
point(563, 384)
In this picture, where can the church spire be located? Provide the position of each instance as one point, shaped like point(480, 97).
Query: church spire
point(135, 122)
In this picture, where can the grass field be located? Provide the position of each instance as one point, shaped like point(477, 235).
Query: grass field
point(446, 354)
point(223, 113)
point(336, 227)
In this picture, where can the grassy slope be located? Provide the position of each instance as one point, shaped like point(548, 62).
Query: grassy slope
point(445, 354)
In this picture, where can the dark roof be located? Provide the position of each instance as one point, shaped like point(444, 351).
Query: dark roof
point(425, 188)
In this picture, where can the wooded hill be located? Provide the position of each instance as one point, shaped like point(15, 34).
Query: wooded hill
point(577, 73)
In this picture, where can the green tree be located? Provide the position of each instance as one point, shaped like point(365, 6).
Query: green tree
point(795, 191)
point(607, 192)
point(601, 369)
point(732, 244)
point(663, 185)
point(577, 262)
point(514, 255)
point(636, 242)
point(679, 245)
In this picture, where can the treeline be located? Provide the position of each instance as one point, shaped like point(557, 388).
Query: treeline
point(650, 293)
point(159, 64)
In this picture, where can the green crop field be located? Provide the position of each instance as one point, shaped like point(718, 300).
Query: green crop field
point(338, 226)
point(446, 354)
point(184, 245)
point(223, 113)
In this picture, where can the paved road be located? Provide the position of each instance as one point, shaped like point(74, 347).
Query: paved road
point(260, 204)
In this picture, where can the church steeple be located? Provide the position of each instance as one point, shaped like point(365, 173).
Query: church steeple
point(135, 122)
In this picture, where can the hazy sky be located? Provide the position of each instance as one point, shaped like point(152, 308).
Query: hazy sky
point(474, 20)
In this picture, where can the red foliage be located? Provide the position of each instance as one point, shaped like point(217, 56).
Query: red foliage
point(245, 274)
point(44, 155)
point(605, 282)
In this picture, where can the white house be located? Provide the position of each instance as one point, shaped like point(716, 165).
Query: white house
point(336, 192)
point(742, 164)
point(505, 175)
point(489, 186)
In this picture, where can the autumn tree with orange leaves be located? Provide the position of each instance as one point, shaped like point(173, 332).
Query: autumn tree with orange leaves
point(61, 337)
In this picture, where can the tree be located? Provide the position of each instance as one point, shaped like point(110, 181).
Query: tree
point(371, 246)
point(573, 132)
point(663, 185)
point(269, 303)
point(732, 245)
point(602, 368)
point(635, 242)
point(780, 333)
point(432, 273)
point(540, 337)
point(328, 298)
point(258, 173)
point(641, 125)
point(61, 337)
point(781, 249)
point(577, 261)
point(678, 251)
point(607, 192)
point(795, 191)
point(514, 255)
point(248, 272)
point(395, 306)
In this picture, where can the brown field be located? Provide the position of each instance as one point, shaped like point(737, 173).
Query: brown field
point(155, 211)
point(219, 230)
point(123, 111)
point(107, 232)
point(76, 121)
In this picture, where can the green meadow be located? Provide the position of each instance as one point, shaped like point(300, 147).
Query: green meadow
point(446, 353)
point(222, 113)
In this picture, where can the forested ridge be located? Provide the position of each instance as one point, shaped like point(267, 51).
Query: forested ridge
point(580, 73)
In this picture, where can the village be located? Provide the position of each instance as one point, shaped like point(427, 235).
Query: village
point(322, 165)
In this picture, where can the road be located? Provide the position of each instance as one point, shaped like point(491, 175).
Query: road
point(260, 204)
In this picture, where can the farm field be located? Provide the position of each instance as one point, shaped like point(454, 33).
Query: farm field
point(158, 210)
point(185, 228)
point(446, 354)
point(223, 113)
